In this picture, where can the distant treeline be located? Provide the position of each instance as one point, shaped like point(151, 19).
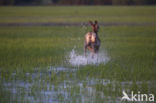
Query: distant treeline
point(77, 2)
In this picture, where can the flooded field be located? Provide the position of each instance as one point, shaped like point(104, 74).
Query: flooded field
point(70, 76)
point(58, 84)
point(46, 64)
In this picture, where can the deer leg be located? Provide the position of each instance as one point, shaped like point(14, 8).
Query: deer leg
point(91, 49)
point(92, 55)
point(85, 48)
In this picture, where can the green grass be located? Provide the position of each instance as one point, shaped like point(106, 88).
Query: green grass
point(131, 49)
point(107, 14)
point(37, 45)
point(34, 49)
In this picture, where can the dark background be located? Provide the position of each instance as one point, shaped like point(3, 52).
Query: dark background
point(77, 2)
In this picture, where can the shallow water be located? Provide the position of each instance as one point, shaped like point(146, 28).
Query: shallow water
point(61, 85)
point(38, 87)
point(65, 91)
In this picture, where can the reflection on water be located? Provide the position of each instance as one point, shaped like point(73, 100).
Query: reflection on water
point(61, 85)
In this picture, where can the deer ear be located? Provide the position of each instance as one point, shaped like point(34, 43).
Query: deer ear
point(96, 22)
point(90, 22)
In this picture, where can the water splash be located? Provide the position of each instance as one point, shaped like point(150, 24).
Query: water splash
point(76, 59)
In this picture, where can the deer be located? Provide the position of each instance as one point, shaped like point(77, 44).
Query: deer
point(92, 41)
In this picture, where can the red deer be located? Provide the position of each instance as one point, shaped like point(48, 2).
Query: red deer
point(92, 41)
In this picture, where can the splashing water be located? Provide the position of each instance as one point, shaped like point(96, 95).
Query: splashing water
point(76, 59)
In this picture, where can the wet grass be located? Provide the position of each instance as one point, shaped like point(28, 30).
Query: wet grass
point(33, 50)
point(35, 46)
point(132, 51)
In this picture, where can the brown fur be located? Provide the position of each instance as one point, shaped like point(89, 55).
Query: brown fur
point(92, 41)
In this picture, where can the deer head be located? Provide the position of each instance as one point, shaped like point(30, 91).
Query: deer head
point(95, 26)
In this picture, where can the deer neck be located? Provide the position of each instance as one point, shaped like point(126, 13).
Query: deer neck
point(96, 34)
